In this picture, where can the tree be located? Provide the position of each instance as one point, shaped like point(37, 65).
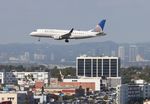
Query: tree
point(105, 97)
point(131, 73)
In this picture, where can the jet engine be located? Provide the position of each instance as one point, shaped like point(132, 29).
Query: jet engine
point(56, 37)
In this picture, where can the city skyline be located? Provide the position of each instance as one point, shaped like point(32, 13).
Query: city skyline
point(130, 54)
point(127, 21)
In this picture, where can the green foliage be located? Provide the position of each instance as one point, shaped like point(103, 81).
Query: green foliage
point(66, 97)
point(65, 72)
point(105, 97)
point(54, 72)
point(130, 73)
point(69, 71)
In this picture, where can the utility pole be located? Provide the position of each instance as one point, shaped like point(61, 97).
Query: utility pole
point(43, 93)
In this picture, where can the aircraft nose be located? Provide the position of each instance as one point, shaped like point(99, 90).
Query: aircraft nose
point(31, 34)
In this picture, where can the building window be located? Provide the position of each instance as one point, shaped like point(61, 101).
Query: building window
point(113, 68)
point(2, 98)
point(80, 67)
point(88, 67)
point(106, 67)
point(10, 98)
point(94, 67)
point(99, 67)
point(74, 80)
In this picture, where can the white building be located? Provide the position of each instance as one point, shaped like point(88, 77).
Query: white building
point(121, 52)
point(139, 82)
point(19, 97)
point(22, 77)
point(25, 57)
point(1, 78)
point(133, 52)
point(39, 57)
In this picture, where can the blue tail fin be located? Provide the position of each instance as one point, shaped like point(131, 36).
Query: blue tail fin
point(100, 26)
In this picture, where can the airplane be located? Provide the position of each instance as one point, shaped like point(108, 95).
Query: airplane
point(70, 34)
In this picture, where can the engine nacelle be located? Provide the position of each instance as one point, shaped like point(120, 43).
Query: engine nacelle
point(56, 37)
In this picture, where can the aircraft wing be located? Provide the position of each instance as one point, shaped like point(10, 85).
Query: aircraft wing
point(67, 36)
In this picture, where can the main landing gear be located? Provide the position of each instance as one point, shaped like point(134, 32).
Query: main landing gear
point(39, 40)
point(66, 40)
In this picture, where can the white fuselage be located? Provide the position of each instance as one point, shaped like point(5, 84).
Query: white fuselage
point(56, 34)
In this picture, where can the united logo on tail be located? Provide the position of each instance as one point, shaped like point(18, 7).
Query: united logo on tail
point(100, 26)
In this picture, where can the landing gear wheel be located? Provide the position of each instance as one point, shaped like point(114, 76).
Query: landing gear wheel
point(39, 40)
point(66, 40)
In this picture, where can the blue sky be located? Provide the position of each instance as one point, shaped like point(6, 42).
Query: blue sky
point(127, 20)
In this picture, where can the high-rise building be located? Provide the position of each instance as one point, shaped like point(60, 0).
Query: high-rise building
point(97, 66)
point(25, 57)
point(133, 51)
point(121, 53)
point(39, 57)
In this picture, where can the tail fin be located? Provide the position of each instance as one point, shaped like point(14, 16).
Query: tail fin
point(100, 26)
